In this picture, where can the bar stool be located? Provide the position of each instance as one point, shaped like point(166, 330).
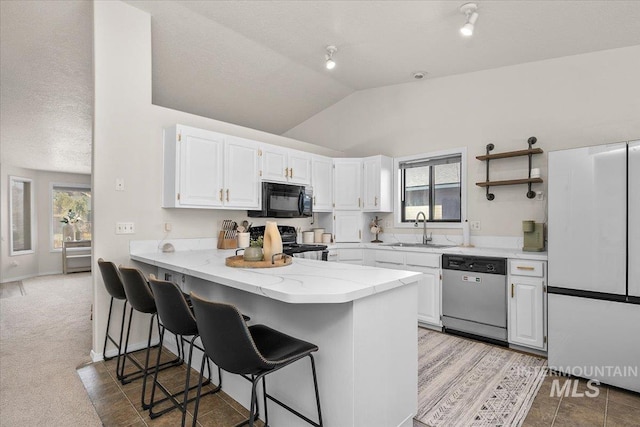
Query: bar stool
point(176, 316)
point(252, 352)
point(141, 299)
point(113, 284)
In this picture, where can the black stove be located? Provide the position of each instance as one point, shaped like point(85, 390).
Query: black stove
point(289, 245)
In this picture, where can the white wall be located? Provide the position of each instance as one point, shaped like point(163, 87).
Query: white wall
point(566, 102)
point(43, 260)
point(128, 144)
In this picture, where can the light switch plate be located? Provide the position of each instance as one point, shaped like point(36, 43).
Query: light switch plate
point(125, 228)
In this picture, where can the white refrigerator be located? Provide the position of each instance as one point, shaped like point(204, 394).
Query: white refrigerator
point(594, 263)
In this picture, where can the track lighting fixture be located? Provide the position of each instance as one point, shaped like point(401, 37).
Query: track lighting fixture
point(470, 11)
point(330, 64)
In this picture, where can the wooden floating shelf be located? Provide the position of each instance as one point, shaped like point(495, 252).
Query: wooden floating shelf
point(509, 182)
point(510, 154)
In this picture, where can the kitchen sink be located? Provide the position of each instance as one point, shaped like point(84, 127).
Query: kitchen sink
point(418, 245)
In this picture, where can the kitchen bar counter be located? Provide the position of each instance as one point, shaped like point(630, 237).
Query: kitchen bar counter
point(304, 281)
point(363, 320)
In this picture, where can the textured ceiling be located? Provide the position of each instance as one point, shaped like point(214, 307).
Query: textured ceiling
point(260, 64)
point(46, 85)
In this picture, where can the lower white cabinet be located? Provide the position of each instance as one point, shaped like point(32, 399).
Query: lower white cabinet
point(527, 303)
point(350, 256)
point(429, 301)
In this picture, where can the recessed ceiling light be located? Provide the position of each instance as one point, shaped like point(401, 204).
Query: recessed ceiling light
point(419, 75)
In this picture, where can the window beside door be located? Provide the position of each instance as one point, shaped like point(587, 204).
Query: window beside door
point(71, 213)
point(20, 206)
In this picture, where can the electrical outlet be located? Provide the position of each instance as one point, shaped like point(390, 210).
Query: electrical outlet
point(167, 227)
point(474, 225)
point(388, 224)
point(539, 195)
point(125, 228)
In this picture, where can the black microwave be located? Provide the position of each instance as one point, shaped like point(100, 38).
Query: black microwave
point(284, 201)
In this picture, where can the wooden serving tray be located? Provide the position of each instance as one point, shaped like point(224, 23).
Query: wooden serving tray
point(238, 261)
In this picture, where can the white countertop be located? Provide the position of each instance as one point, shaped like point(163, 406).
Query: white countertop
point(304, 281)
point(476, 251)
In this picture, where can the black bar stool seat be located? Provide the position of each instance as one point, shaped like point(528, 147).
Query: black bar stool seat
point(141, 299)
point(115, 288)
point(177, 317)
point(252, 352)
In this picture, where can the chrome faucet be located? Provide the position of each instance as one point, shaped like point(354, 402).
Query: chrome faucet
point(425, 239)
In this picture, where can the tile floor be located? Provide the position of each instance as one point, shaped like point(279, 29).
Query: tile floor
point(611, 407)
point(119, 405)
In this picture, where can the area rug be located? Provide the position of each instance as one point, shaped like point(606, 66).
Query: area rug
point(462, 382)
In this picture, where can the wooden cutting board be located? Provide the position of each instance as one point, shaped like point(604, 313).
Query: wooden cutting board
point(239, 262)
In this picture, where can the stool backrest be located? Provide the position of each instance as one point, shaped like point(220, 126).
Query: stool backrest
point(111, 278)
point(172, 308)
point(226, 338)
point(137, 289)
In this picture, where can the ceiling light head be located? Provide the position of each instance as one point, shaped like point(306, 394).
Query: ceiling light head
point(470, 11)
point(419, 75)
point(330, 63)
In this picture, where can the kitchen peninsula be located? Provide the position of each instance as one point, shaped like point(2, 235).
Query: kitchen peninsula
point(362, 318)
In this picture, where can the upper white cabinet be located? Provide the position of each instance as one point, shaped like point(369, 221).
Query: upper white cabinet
point(281, 164)
point(377, 184)
point(347, 184)
point(322, 183)
point(204, 169)
point(348, 227)
point(527, 284)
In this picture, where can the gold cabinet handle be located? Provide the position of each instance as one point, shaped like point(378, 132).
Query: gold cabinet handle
point(513, 291)
point(359, 234)
point(314, 200)
point(521, 267)
point(221, 191)
point(286, 172)
point(227, 194)
point(375, 201)
point(358, 201)
point(291, 173)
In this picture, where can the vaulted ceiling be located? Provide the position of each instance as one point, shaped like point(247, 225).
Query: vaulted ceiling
point(260, 64)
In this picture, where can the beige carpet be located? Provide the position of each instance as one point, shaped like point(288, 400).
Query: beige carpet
point(45, 335)
point(467, 383)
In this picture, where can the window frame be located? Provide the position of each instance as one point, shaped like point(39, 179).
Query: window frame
point(32, 222)
point(52, 187)
point(397, 209)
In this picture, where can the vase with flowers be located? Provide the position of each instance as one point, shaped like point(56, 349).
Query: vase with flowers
point(254, 251)
point(70, 227)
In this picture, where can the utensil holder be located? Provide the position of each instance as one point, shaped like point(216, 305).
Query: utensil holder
point(226, 243)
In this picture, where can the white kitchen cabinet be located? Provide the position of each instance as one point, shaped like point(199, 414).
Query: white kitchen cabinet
point(204, 169)
point(322, 183)
point(282, 164)
point(347, 227)
point(241, 183)
point(350, 256)
point(347, 184)
point(429, 299)
point(527, 295)
point(377, 184)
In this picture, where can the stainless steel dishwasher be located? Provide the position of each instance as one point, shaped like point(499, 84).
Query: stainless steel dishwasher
point(474, 297)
